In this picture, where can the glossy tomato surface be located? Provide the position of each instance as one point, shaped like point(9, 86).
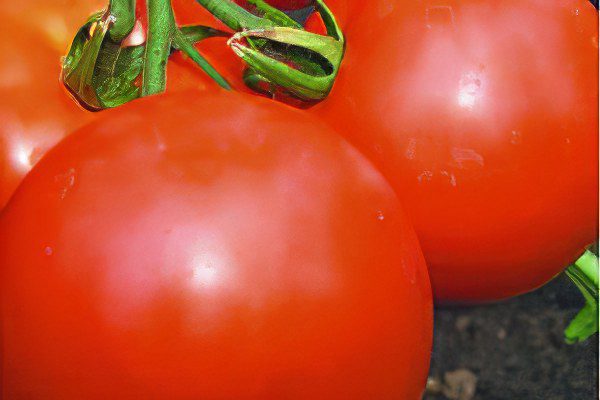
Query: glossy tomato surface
point(484, 117)
point(215, 247)
point(55, 20)
point(35, 110)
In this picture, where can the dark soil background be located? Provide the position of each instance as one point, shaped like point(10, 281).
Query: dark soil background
point(513, 350)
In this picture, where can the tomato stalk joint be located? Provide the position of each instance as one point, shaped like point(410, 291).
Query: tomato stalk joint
point(280, 54)
point(104, 68)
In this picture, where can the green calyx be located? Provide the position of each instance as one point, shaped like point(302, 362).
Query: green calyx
point(584, 274)
point(113, 59)
point(306, 66)
point(97, 71)
point(281, 55)
point(102, 70)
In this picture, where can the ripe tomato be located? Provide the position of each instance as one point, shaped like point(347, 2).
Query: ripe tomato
point(483, 116)
point(56, 20)
point(213, 247)
point(35, 110)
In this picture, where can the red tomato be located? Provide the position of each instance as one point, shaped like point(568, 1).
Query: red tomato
point(210, 247)
point(35, 110)
point(484, 117)
point(56, 20)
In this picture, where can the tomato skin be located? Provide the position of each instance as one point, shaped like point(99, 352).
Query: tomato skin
point(483, 116)
point(159, 255)
point(35, 110)
point(56, 21)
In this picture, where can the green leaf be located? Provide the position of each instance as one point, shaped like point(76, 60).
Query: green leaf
point(584, 274)
point(181, 42)
point(79, 64)
point(116, 74)
point(584, 325)
point(98, 71)
point(197, 33)
point(273, 14)
point(302, 63)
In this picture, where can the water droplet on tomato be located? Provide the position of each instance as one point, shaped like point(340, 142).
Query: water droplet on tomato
point(515, 137)
point(380, 215)
point(450, 176)
point(466, 158)
point(425, 176)
point(411, 150)
point(160, 143)
point(439, 16)
point(65, 182)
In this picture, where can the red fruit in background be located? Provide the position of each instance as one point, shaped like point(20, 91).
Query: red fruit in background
point(484, 118)
point(35, 110)
point(210, 247)
point(56, 21)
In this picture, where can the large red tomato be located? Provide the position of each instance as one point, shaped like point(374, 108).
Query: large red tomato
point(35, 110)
point(484, 117)
point(210, 247)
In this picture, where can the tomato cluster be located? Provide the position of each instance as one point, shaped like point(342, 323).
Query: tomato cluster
point(203, 243)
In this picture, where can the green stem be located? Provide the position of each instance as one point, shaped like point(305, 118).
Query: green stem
point(160, 34)
point(584, 274)
point(181, 42)
point(273, 14)
point(281, 52)
point(300, 80)
point(234, 16)
point(197, 33)
point(123, 15)
point(333, 29)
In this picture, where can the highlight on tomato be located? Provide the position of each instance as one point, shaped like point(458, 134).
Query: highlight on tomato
point(54, 20)
point(211, 247)
point(35, 110)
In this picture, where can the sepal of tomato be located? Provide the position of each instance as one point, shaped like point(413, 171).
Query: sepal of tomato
point(100, 72)
point(281, 55)
point(110, 64)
